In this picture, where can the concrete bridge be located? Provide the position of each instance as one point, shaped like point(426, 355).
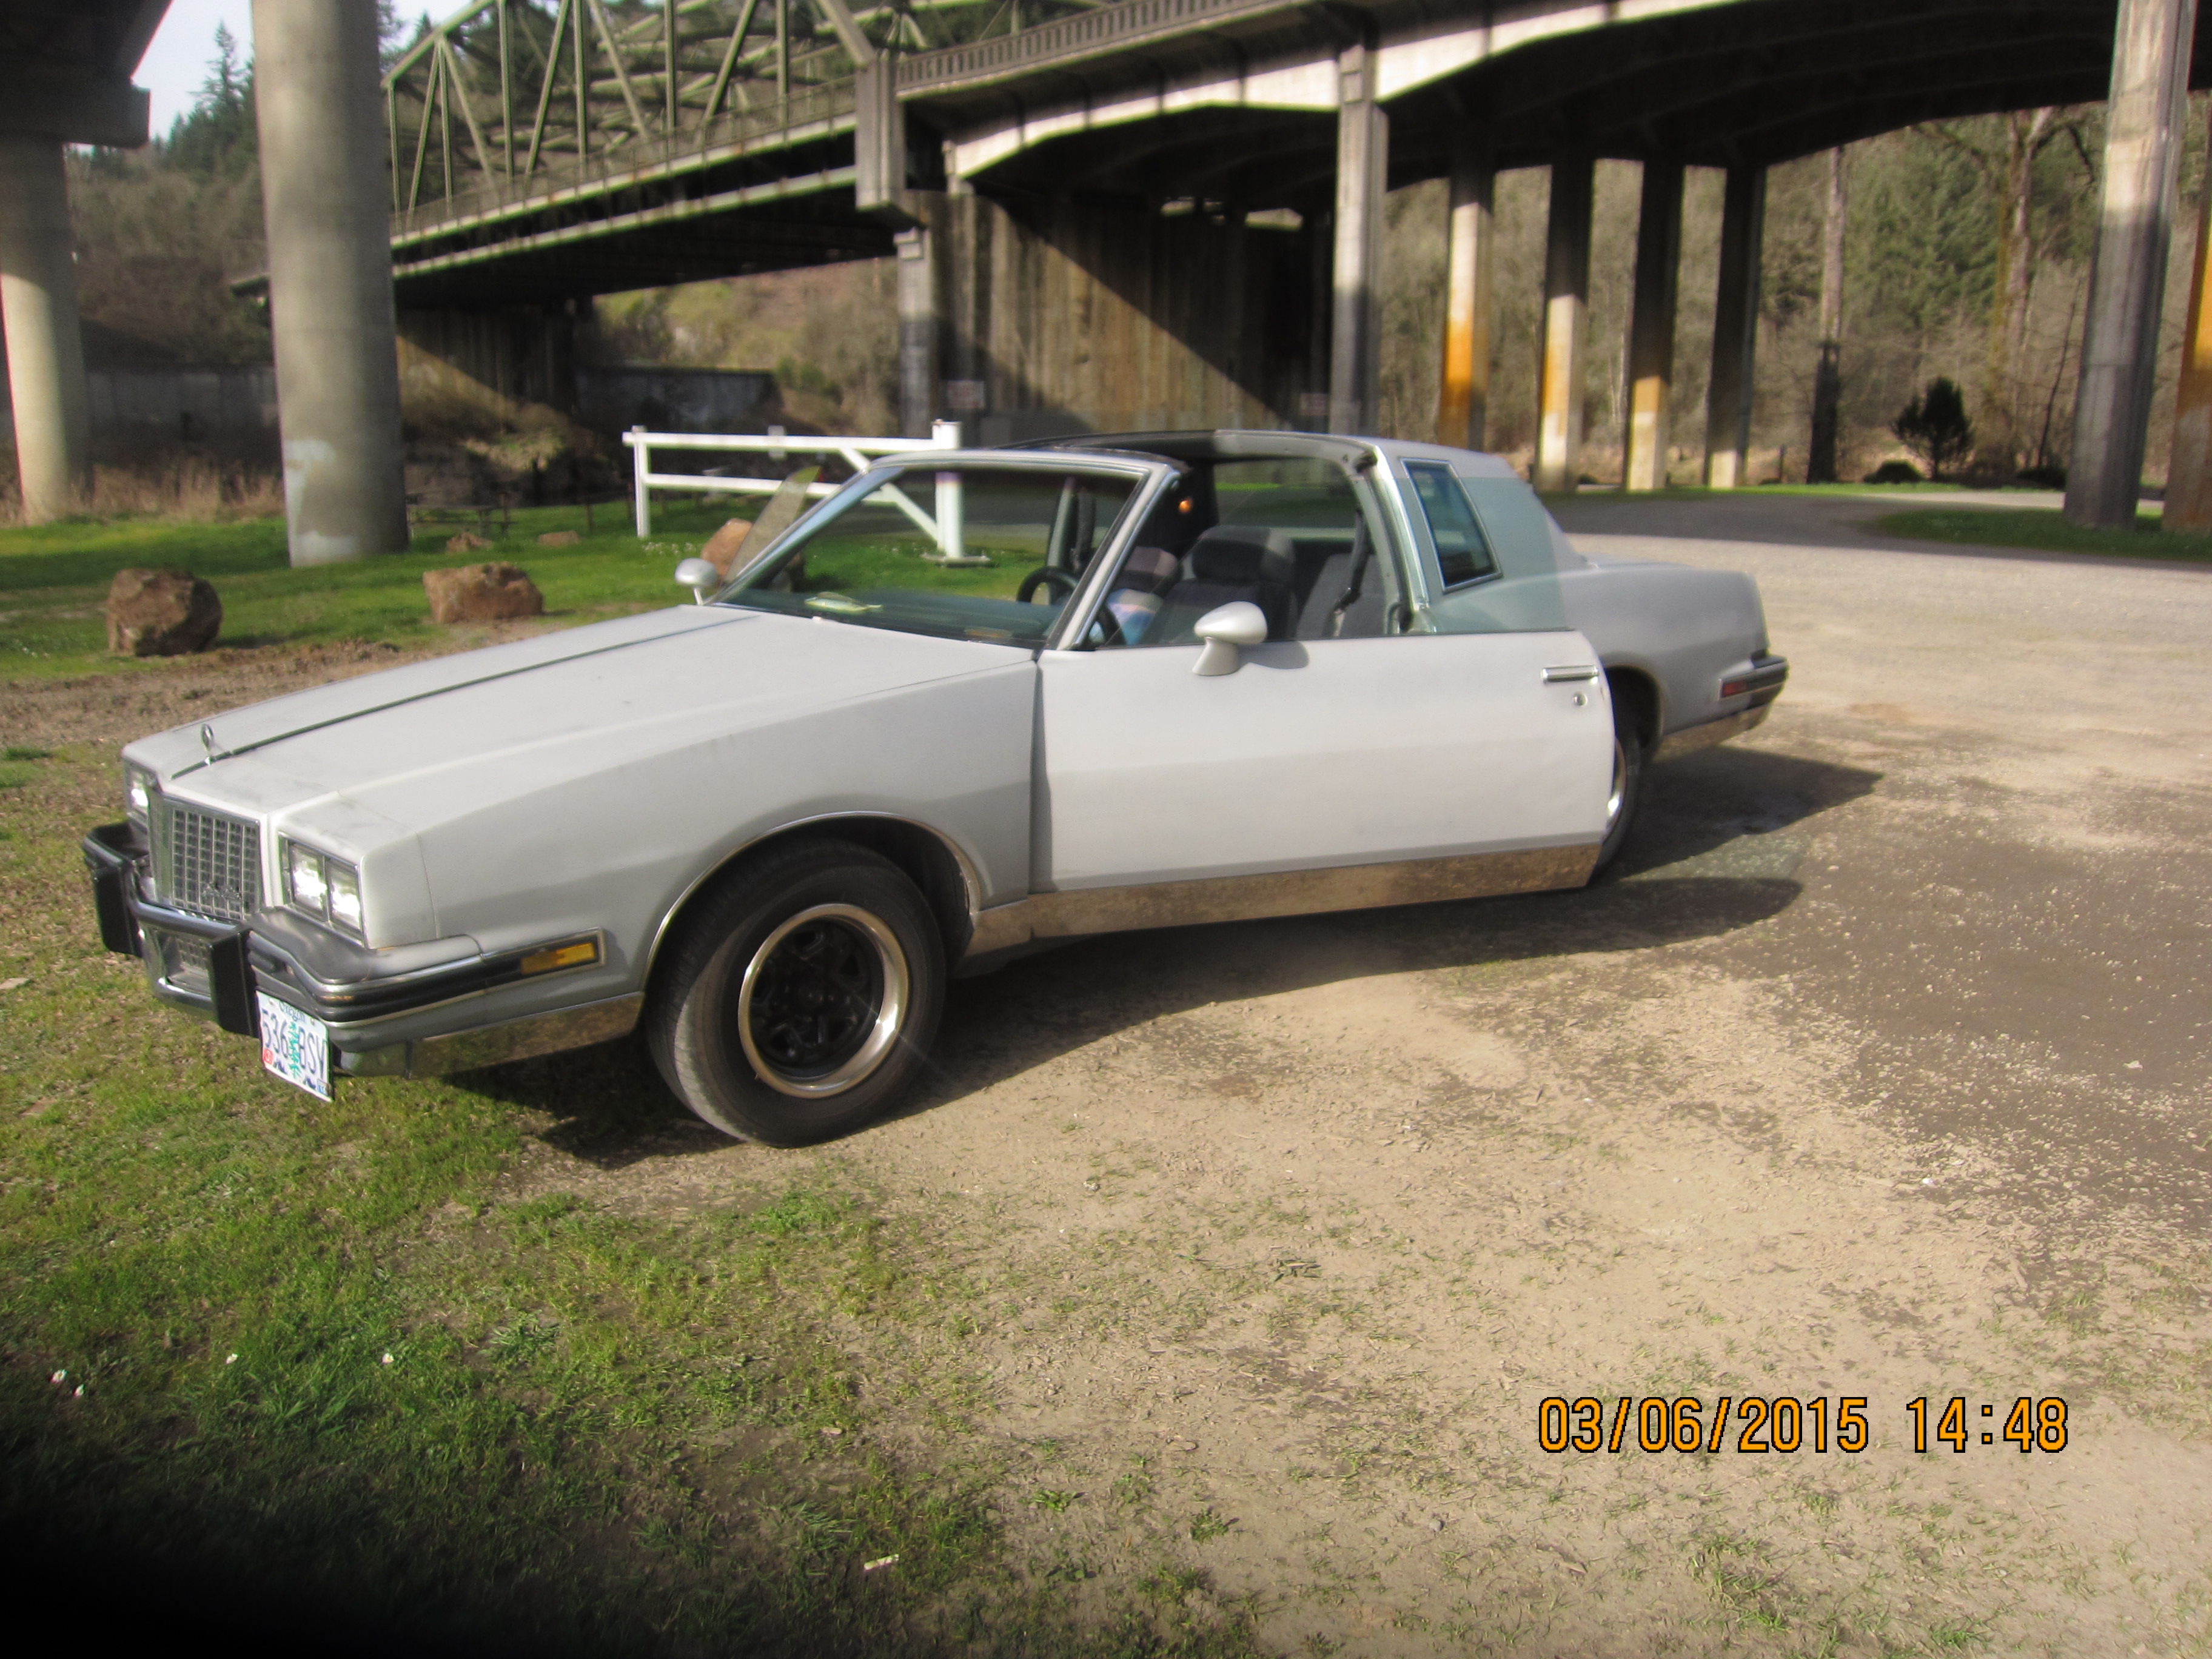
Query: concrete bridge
point(1167, 212)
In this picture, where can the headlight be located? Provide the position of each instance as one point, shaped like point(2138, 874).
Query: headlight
point(345, 895)
point(328, 890)
point(137, 794)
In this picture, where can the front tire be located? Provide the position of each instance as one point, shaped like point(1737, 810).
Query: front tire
point(798, 1002)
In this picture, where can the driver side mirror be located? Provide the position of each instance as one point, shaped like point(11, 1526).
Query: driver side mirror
point(1224, 629)
point(700, 576)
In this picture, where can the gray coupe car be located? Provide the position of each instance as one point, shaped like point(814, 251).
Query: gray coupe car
point(975, 702)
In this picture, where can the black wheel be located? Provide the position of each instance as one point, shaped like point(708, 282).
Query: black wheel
point(797, 1001)
point(1045, 576)
point(1630, 751)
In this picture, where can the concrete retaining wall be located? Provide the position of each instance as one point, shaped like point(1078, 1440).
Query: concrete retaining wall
point(185, 401)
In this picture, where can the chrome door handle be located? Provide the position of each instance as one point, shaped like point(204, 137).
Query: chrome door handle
point(1583, 670)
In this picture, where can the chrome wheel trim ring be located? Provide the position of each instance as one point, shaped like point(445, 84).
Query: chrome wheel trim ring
point(1618, 792)
point(890, 1007)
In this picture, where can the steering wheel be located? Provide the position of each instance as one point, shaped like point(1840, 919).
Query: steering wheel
point(1046, 575)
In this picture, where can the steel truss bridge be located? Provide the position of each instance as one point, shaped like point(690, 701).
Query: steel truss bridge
point(543, 149)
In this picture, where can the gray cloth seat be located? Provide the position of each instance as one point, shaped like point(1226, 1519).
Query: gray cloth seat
point(1363, 613)
point(1227, 563)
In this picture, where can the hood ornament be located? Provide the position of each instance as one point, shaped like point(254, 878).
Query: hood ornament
point(207, 740)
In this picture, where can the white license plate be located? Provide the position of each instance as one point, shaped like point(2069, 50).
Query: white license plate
point(295, 1045)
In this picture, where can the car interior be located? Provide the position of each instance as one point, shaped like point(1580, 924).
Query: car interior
point(1286, 532)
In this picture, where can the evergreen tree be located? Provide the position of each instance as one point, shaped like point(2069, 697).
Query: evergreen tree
point(216, 137)
point(1934, 425)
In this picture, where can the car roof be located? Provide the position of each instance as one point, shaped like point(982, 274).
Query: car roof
point(1238, 444)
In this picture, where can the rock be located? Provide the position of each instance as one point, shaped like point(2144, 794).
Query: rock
point(723, 547)
point(482, 593)
point(467, 542)
point(161, 613)
point(559, 539)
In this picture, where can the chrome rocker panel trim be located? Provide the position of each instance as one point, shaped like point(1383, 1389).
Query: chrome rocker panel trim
point(1282, 893)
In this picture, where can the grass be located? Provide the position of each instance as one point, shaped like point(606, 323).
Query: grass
point(2044, 530)
point(54, 578)
point(371, 1353)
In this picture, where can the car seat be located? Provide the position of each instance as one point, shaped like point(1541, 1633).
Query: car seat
point(1227, 563)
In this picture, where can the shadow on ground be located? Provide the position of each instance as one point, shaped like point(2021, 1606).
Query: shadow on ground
point(1716, 850)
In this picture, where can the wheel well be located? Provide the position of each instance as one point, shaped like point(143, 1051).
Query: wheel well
point(920, 856)
point(1636, 691)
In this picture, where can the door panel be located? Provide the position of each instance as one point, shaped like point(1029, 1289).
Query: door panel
point(1329, 753)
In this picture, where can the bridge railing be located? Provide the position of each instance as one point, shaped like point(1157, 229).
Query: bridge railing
point(856, 452)
point(1109, 28)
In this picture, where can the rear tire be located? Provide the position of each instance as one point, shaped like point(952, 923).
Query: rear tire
point(1629, 755)
point(797, 1001)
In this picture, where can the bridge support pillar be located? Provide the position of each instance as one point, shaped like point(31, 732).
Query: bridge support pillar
point(2127, 283)
point(1363, 157)
point(323, 194)
point(2188, 474)
point(921, 317)
point(1651, 327)
point(1463, 402)
point(1561, 393)
point(45, 350)
point(1736, 331)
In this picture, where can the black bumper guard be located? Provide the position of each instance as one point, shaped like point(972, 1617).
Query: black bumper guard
point(113, 852)
point(316, 971)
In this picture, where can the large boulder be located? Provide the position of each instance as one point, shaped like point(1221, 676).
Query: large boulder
point(161, 613)
point(723, 547)
point(482, 593)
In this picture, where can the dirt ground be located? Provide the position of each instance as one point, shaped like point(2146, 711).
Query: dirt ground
point(1878, 1074)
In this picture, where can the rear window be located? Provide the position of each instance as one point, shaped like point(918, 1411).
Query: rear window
point(1462, 550)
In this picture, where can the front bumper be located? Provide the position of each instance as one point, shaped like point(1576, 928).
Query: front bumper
point(219, 969)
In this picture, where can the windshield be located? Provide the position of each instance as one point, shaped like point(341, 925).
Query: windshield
point(980, 553)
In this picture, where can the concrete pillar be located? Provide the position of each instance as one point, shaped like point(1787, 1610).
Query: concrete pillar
point(38, 307)
point(920, 324)
point(330, 276)
point(1821, 461)
point(1736, 330)
point(2188, 474)
point(1560, 390)
point(879, 139)
point(2127, 284)
point(1651, 326)
point(1362, 156)
point(962, 243)
point(1463, 399)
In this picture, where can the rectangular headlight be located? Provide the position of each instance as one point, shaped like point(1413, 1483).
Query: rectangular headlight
point(328, 889)
point(137, 794)
point(304, 881)
point(345, 895)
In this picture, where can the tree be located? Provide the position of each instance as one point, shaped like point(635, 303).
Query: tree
point(2007, 167)
point(1934, 425)
point(1828, 377)
point(216, 137)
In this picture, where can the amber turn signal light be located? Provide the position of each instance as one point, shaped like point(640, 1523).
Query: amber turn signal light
point(573, 954)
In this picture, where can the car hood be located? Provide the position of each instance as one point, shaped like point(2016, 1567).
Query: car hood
point(414, 745)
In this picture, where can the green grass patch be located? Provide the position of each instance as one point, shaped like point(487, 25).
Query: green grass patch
point(54, 579)
point(2044, 531)
point(380, 1351)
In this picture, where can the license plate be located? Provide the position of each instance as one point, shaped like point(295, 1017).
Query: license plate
point(295, 1045)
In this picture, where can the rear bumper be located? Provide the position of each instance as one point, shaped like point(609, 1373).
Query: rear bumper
point(219, 970)
point(1752, 687)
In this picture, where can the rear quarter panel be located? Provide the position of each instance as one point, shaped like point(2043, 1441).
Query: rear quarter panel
point(1685, 628)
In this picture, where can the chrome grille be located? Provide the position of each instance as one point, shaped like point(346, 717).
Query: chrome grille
point(205, 862)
